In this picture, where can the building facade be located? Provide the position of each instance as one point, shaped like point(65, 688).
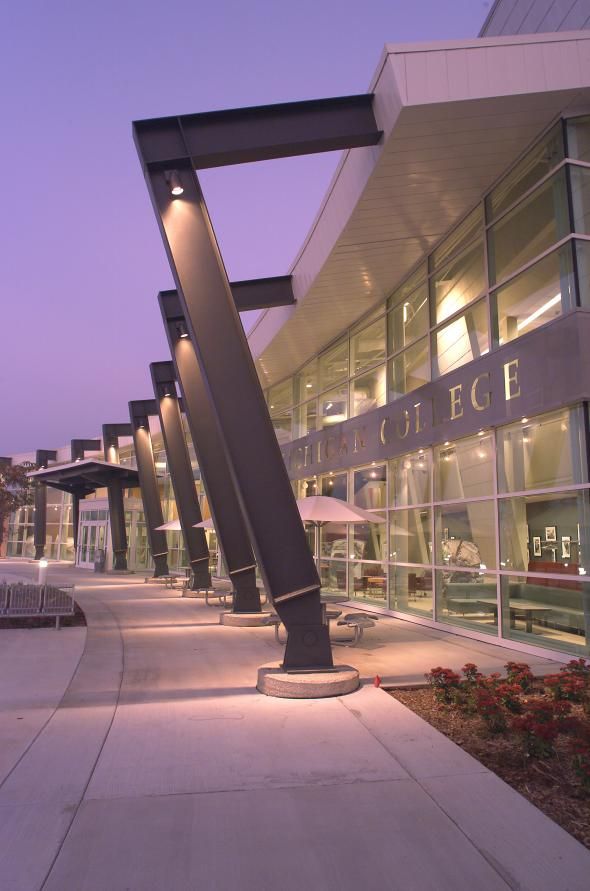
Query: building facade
point(434, 367)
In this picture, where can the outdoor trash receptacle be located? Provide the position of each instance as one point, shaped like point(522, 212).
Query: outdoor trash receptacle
point(99, 560)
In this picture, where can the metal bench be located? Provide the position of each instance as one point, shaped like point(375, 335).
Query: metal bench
point(358, 622)
point(23, 600)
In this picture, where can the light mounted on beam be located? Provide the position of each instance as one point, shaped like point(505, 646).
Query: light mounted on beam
point(173, 180)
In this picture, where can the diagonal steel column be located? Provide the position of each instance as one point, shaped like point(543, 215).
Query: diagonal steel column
point(221, 494)
point(42, 458)
point(139, 412)
point(247, 435)
point(110, 444)
point(181, 473)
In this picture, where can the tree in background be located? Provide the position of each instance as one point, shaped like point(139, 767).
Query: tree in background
point(16, 490)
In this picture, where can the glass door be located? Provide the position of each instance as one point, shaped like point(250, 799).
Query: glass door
point(92, 537)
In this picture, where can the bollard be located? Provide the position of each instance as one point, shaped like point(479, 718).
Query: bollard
point(43, 564)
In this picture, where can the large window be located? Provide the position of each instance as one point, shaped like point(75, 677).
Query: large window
point(542, 453)
point(461, 341)
point(518, 260)
point(534, 297)
point(528, 230)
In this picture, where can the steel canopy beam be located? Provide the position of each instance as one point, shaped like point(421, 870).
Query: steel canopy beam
point(260, 133)
point(221, 493)
point(110, 444)
point(181, 473)
point(263, 293)
point(139, 412)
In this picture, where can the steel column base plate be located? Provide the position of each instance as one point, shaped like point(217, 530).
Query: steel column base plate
point(243, 620)
point(338, 681)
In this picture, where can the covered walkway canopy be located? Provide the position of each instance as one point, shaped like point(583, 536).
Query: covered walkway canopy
point(86, 476)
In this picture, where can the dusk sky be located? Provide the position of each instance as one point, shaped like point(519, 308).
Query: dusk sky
point(82, 259)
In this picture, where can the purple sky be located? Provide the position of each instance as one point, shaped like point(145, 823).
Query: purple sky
point(81, 257)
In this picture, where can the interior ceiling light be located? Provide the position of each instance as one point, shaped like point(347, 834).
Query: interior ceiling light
point(538, 312)
point(173, 180)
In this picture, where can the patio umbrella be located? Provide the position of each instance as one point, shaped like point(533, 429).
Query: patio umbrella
point(172, 526)
point(320, 509)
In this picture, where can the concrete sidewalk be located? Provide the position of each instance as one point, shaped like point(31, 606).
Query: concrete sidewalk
point(162, 769)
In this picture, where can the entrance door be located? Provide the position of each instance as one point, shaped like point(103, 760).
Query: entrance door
point(93, 535)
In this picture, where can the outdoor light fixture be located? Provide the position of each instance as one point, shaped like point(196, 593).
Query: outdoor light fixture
point(181, 330)
point(173, 180)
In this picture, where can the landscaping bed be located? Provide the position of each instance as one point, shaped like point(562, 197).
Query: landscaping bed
point(534, 733)
point(72, 621)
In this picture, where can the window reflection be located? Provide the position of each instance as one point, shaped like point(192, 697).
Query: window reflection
point(280, 397)
point(459, 282)
point(543, 452)
point(409, 370)
point(370, 487)
point(334, 406)
point(367, 348)
point(410, 479)
point(545, 533)
point(335, 485)
point(535, 297)
point(466, 535)
point(464, 469)
point(529, 229)
point(578, 138)
point(580, 180)
point(306, 418)
point(461, 236)
point(408, 320)
point(333, 365)
point(306, 381)
point(461, 341)
point(410, 590)
point(410, 535)
point(547, 612)
point(542, 158)
point(368, 391)
point(468, 599)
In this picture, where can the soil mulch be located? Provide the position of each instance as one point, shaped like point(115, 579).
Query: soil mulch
point(550, 784)
point(73, 621)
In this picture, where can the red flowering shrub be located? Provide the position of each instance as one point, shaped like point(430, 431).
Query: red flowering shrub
point(509, 695)
point(443, 681)
point(489, 706)
point(566, 686)
point(521, 674)
point(578, 667)
point(541, 724)
point(471, 673)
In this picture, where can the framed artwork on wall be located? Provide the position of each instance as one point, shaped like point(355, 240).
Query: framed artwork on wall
point(566, 549)
point(550, 533)
point(536, 545)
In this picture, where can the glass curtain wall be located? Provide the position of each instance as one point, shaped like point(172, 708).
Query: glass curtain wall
point(520, 259)
point(489, 533)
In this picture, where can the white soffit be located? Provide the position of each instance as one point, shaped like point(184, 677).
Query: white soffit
point(455, 116)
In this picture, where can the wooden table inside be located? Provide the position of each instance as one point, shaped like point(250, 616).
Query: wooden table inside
point(528, 607)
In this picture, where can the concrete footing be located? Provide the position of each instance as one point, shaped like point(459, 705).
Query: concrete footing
point(243, 620)
point(273, 681)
